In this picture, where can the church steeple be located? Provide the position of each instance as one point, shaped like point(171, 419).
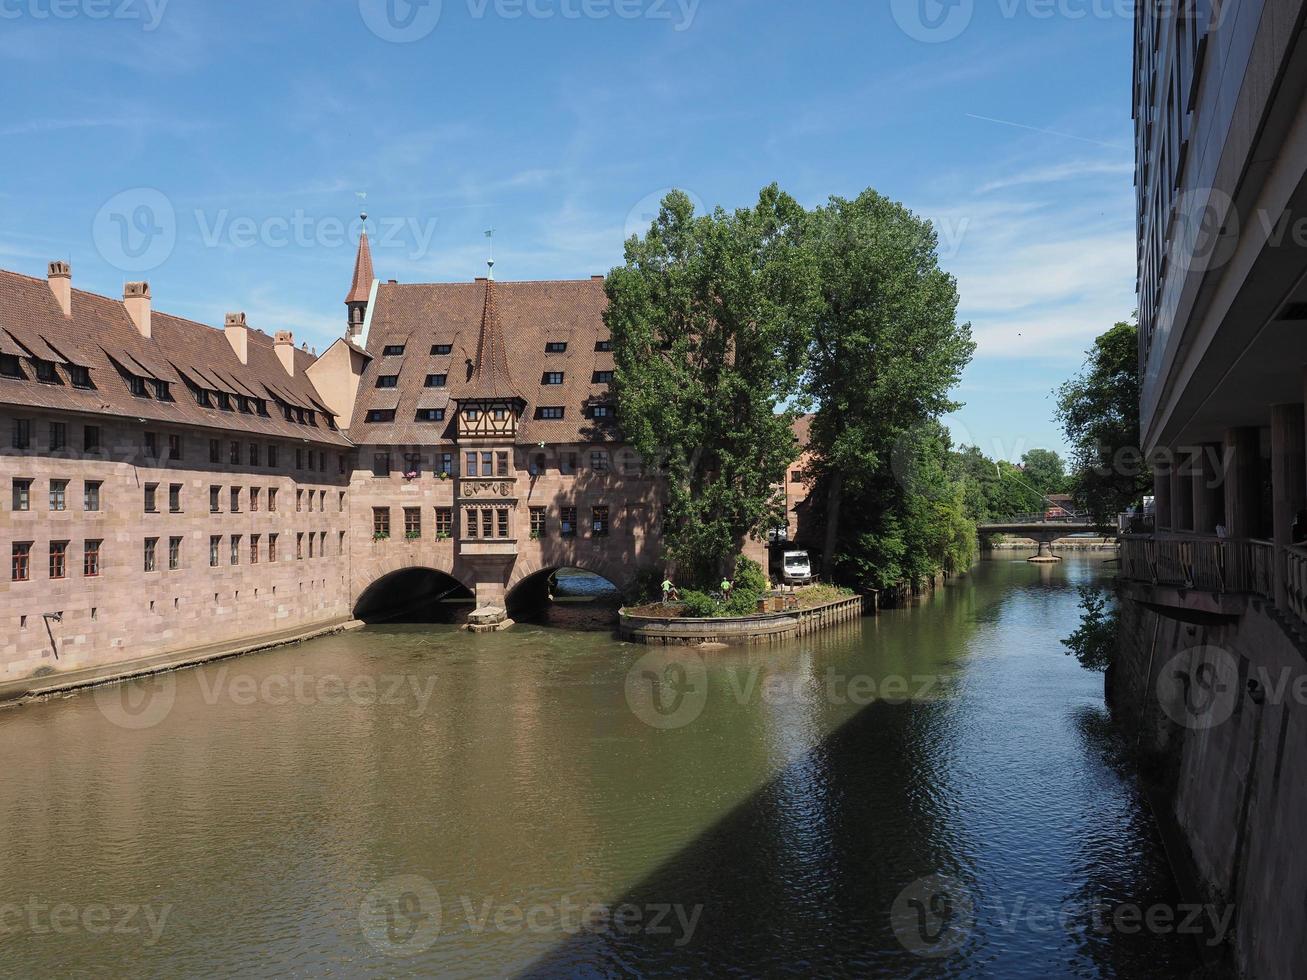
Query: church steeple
point(357, 300)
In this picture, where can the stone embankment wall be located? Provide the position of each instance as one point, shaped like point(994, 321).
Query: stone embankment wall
point(741, 630)
point(1219, 714)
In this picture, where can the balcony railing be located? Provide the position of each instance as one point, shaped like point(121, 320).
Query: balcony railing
point(1211, 564)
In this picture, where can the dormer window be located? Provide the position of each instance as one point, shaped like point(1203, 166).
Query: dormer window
point(431, 415)
point(550, 412)
point(45, 372)
point(393, 350)
point(437, 380)
point(161, 391)
point(556, 347)
point(552, 378)
point(601, 411)
point(261, 405)
point(441, 350)
point(201, 397)
point(80, 376)
point(10, 367)
point(500, 414)
point(381, 415)
point(137, 385)
point(603, 346)
point(245, 405)
point(388, 381)
point(602, 377)
point(472, 414)
point(224, 401)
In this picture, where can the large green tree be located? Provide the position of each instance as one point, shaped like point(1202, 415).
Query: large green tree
point(710, 318)
point(886, 352)
point(1099, 412)
point(1045, 472)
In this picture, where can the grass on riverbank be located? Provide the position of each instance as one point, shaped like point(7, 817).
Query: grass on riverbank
point(808, 597)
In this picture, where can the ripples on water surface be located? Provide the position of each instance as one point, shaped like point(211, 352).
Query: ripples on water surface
point(264, 807)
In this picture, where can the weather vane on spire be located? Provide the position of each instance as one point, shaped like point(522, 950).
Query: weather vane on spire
point(363, 214)
point(490, 233)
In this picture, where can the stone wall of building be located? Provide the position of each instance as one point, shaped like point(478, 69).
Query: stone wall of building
point(124, 612)
point(1227, 760)
point(549, 479)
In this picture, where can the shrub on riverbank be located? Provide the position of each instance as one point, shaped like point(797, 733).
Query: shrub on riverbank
point(1094, 642)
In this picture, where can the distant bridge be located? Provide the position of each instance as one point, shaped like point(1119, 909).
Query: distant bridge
point(1043, 529)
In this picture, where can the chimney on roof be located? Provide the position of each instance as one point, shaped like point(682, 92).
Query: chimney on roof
point(61, 284)
point(284, 345)
point(238, 335)
point(136, 297)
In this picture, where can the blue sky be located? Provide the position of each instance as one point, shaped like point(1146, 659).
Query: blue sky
point(219, 149)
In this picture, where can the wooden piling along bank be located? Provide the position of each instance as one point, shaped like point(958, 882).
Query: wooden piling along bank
point(741, 630)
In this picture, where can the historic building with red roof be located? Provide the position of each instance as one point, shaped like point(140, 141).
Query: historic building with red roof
point(170, 486)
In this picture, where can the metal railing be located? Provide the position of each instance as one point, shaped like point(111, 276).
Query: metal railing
point(1045, 517)
point(1295, 581)
point(1212, 564)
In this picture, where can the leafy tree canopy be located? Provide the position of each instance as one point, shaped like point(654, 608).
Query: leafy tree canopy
point(711, 321)
point(1099, 412)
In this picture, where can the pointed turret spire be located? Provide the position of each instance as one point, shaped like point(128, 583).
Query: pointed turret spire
point(361, 289)
point(491, 378)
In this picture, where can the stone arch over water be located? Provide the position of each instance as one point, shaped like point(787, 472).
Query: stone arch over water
point(410, 591)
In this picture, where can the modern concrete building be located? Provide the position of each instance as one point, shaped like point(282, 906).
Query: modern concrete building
point(1215, 603)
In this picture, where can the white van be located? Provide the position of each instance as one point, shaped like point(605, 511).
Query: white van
point(796, 568)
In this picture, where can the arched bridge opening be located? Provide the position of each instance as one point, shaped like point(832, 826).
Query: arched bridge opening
point(570, 598)
point(414, 595)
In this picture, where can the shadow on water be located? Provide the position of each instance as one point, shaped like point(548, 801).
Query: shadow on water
point(802, 878)
point(819, 871)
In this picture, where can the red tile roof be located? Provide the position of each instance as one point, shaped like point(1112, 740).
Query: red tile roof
point(100, 336)
point(529, 315)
